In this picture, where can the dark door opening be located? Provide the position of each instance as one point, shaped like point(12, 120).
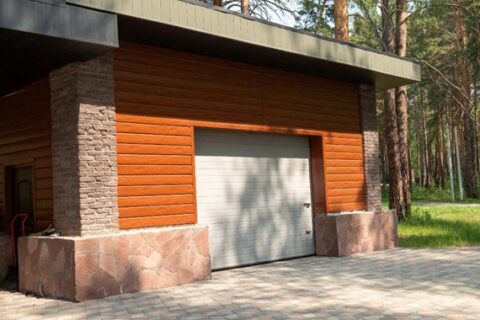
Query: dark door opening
point(22, 193)
point(18, 201)
point(18, 194)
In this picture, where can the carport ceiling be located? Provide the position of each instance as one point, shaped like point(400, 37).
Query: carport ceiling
point(40, 36)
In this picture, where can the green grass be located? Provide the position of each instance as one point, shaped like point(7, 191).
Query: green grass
point(437, 195)
point(441, 226)
point(430, 195)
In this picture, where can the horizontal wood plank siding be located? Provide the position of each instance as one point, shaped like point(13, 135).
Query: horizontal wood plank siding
point(155, 172)
point(25, 139)
point(161, 95)
point(344, 172)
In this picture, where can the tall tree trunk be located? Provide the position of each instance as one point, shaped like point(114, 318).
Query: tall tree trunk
point(396, 194)
point(449, 159)
point(244, 5)
point(411, 176)
point(459, 167)
point(419, 160)
point(440, 152)
point(461, 74)
point(427, 160)
point(424, 140)
point(475, 110)
point(340, 10)
point(421, 141)
point(418, 126)
point(388, 38)
point(218, 2)
point(394, 165)
point(402, 106)
point(385, 169)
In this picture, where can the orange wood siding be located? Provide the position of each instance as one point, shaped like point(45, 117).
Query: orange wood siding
point(25, 138)
point(155, 171)
point(344, 172)
point(161, 95)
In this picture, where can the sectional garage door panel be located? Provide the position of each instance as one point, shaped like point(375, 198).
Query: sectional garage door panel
point(251, 191)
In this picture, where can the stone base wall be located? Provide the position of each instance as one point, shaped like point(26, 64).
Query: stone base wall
point(84, 268)
point(5, 256)
point(344, 234)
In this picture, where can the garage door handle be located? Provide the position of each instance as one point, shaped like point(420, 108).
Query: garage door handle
point(307, 205)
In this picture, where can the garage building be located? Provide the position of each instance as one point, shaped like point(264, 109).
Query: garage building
point(164, 139)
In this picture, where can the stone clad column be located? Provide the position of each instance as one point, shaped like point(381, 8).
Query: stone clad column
point(371, 155)
point(84, 147)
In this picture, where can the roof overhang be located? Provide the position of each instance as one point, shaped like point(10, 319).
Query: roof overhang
point(42, 35)
point(39, 36)
point(204, 29)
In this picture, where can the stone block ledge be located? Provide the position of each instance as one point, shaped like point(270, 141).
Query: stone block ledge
point(344, 234)
point(92, 267)
point(108, 234)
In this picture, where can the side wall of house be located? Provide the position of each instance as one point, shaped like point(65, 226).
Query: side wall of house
point(25, 139)
point(161, 95)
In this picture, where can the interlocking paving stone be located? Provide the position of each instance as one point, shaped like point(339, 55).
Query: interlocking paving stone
point(396, 284)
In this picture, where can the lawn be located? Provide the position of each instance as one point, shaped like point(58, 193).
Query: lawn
point(441, 226)
point(437, 195)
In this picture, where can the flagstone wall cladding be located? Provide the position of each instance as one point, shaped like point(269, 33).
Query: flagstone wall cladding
point(5, 255)
point(371, 155)
point(344, 234)
point(84, 147)
point(84, 268)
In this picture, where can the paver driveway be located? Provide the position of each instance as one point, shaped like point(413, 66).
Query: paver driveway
point(404, 283)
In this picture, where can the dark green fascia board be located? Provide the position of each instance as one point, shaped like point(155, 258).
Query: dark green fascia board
point(55, 18)
point(388, 69)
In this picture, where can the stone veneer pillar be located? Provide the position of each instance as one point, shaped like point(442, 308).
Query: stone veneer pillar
point(370, 147)
point(84, 147)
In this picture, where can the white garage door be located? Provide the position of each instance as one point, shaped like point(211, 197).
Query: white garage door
point(253, 192)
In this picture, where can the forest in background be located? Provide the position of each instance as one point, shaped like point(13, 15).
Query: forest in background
point(427, 129)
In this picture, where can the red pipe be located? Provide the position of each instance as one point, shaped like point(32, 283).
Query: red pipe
point(12, 234)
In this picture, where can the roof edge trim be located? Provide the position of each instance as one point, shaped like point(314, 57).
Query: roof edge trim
point(224, 24)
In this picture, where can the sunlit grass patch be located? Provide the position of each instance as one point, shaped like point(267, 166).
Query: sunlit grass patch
point(441, 226)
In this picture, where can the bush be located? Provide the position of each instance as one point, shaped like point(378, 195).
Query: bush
point(431, 194)
point(420, 216)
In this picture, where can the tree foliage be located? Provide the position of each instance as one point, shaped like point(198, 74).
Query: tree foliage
point(437, 100)
point(263, 9)
point(316, 16)
point(449, 91)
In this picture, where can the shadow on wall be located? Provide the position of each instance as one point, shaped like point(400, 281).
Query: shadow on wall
point(251, 190)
